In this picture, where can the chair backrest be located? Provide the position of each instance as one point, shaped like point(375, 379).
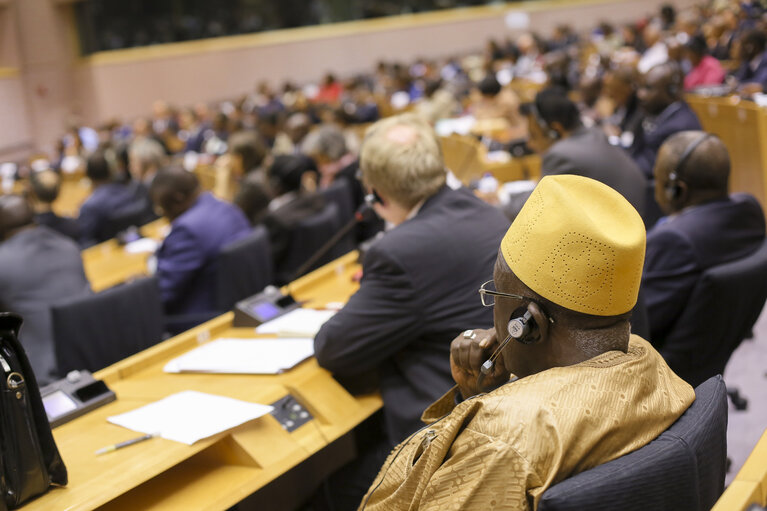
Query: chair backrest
point(306, 238)
point(340, 194)
point(721, 312)
point(101, 329)
point(681, 470)
point(244, 269)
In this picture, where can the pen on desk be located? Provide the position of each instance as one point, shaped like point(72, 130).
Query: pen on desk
point(114, 447)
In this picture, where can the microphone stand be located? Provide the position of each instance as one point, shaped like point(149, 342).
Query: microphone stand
point(359, 216)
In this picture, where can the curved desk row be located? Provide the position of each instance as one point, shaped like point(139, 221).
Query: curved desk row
point(220, 471)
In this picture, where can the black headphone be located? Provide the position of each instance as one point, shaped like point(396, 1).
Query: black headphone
point(673, 190)
point(550, 132)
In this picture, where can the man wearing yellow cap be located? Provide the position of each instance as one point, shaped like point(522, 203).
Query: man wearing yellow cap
point(565, 386)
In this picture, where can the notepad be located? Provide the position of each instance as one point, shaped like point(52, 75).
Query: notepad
point(297, 323)
point(243, 356)
point(190, 416)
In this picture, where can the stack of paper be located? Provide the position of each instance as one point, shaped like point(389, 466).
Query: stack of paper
point(297, 323)
point(190, 416)
point(244, 356)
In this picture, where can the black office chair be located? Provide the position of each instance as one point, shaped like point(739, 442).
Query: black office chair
point(307, 237)
point(244, 269)
point(721, 312)
point(101, 329)
point(340, 194)
point(681, 470)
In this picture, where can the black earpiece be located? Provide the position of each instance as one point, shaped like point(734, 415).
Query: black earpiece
point(522, 326)
point(673, 188)
point(373, 198)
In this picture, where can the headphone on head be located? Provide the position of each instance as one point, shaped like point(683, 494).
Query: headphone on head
point(522, 327)
point(550, 132)
point(673, 189)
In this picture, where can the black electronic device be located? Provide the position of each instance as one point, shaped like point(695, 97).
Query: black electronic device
point(73, 396)
point(267, 305)
point(290, 413)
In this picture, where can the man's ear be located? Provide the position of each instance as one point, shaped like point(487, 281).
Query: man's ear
point(557, 126)
point(309, 181)
point(541, 319)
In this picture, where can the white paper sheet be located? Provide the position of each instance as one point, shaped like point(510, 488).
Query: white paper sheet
point(244, 356)
point(297, 323)
point(190, 416)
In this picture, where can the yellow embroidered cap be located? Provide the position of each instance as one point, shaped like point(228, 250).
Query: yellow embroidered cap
point(579, 244)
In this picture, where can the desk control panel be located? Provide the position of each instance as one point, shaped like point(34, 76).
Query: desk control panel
point(290, 413)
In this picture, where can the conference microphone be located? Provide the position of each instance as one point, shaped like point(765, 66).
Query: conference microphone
point(489, 364)
point(359, 216)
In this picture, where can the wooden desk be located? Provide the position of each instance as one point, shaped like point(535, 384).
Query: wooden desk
point(218, 472)
point(750, 485)
point(75, 188)
point(108, 264)
point(742, 126)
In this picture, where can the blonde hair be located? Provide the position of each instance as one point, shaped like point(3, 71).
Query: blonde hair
point(401, 157)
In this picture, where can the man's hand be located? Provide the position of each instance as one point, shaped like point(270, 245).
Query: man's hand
point(468, 352)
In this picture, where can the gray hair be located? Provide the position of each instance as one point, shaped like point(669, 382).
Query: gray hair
point(329, 141)
point(147, 152)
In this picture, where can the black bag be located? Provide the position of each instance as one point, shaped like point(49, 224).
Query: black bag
point(29, 459)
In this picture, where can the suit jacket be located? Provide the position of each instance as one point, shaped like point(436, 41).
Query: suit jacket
point(655, 130)
point(186, 261)
point(106, 205)
point(586, 152)
point(745, 74)
point(680, 248)
point(61, 224)
point(39, 268)
point(418, 292)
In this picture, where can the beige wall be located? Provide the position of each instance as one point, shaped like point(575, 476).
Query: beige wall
point(15, 139)
point(125, 83)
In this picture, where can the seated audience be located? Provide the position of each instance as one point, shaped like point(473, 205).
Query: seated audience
point(570, 391)
point(667, 113)
point(620, 88)
point(752, 73)
point(200, 226)
point(44, 188)
point(292, 180)
point(289, 140)
point(656, 52)
point(110, 204)
point(706, 227)
point(418, 287)
point(245, 154)
point(706, 70)
point(145, 156)
point(492, 102)
point(568, 147)
point(38, 268)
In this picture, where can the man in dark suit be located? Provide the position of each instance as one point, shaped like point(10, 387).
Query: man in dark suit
point(419, 288)
point(38, 268)
point(112, 206)
point(44, 188)
point(667, 113)
point(752, 73)
point(705, 226)
point(568, 147)
point(200, 226)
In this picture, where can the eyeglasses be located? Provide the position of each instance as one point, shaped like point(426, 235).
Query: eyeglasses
point(487, 294)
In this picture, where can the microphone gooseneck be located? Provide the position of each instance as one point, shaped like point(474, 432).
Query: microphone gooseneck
point(489, 364)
